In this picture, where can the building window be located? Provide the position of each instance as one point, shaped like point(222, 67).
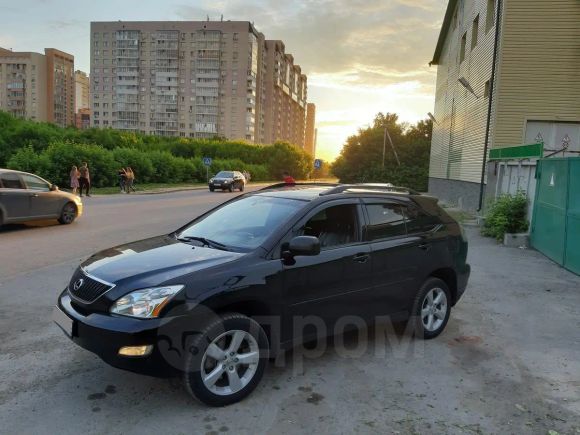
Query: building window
point(486, 90)
point(490, 15)
point(462, 50)
point(474, 32)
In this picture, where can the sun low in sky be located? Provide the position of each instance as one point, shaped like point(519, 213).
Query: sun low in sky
point(360, 56)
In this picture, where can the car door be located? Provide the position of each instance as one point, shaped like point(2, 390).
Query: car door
point(330, 284)
point(43, 202)
point(395, 256)
point(14, 198)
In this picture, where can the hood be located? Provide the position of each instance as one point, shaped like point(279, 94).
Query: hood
point(161, 255)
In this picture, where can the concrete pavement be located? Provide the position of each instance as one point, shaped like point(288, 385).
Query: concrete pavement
point(509, 361)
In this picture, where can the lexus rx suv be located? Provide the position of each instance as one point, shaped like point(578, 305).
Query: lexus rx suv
point(213, 302)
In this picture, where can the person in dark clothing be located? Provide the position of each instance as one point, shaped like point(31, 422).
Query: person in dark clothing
point(84, 179)
point(122, 179)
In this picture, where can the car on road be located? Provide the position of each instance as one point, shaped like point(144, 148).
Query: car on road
point(227, 180)
point(27, 197)
point(215, 299)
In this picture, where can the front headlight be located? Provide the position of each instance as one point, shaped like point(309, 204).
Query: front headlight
point(211, 180)
point(146, 303)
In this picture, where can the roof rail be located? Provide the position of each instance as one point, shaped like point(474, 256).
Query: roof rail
point(379, 187)
point(313, 184)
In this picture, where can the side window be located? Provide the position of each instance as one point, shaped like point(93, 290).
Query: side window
point(11, 181)
point(35, 183)
point(385, 220)
point(419, 221)
point(334, 226)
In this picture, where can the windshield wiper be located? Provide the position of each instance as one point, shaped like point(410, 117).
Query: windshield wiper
point(204, 241)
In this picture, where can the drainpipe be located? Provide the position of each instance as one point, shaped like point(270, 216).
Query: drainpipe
point(491, 86)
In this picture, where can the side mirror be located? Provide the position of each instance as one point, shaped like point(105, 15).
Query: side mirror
point(53, 187)
point(304, 245)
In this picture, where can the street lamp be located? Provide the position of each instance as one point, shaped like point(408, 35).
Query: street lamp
point(432, 118)
point(467, 86)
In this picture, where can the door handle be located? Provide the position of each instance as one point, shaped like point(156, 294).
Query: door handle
point(34, 195)
point(361, 257)
point(425, 246)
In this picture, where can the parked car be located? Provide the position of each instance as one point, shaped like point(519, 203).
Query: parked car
point(199, 302)
point(27, 197)
point(228, 180)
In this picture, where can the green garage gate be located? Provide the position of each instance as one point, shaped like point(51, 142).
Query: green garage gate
point(556, 217)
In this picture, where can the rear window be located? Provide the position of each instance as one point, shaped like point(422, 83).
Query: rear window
point(10, 180)
point(386, 220)
point(419, 221)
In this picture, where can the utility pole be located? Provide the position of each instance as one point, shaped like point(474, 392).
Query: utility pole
point(392, 146)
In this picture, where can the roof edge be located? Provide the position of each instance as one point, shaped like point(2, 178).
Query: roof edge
point(443, 32)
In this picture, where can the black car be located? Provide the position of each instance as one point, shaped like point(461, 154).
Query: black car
point(213, 302)
point(227, 180)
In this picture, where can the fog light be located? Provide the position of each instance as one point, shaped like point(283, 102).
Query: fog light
point(135, 350)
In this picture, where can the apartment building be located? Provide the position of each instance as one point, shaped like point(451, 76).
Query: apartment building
point(82, 90)
point(528, 92)
point(310, 134)
point(190, 79)
point(285, 96)
point(38, 86)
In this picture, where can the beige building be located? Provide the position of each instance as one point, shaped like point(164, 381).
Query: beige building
point(82, 90)
point(285, 95)
point(38, 87)
point(310, 134)
point(531, 92)
point(190, 79)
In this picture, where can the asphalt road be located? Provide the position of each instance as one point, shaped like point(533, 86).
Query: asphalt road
point(508, 362)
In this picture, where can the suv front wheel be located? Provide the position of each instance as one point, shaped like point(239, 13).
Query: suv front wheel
point(226, 360)
point(431, 309)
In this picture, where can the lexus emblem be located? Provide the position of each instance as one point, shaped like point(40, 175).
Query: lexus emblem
point(78, 284)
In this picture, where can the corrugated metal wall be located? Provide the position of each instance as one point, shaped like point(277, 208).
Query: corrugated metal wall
point(539, 69)
point(458, 136)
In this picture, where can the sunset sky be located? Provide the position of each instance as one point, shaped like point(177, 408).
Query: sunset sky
point(360, 56)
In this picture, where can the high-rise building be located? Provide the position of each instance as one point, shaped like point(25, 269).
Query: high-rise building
point(191, 79)
point(81, 90)
point(60, 87)
point(38, 87)
point(310, 136)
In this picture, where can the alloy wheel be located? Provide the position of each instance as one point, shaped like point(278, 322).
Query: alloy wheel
point(230, 362)
point(434, 309)
point(69, 212)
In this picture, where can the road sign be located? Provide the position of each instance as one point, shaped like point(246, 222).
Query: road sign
point(317, 164)
point(207, 161)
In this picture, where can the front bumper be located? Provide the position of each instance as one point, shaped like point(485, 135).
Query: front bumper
point(105, 334)
point(220, 185)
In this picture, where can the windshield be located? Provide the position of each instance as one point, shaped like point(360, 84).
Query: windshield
point(225, 174)
point(245, 224)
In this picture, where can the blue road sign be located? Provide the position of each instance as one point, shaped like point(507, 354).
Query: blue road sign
point(207, 161)
point(317, 164)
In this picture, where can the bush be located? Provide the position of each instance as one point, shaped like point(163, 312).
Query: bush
point(507, 214)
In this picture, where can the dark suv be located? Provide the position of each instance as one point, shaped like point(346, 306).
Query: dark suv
point(227, 180)
point(213, 302)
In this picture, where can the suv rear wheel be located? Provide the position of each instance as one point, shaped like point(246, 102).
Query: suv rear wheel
point(227, 360)
point(431, 309)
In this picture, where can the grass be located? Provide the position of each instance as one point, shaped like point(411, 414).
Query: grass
point(144, 187)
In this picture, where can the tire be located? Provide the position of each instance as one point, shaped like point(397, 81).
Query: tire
point(428, 311)
point(211, 189)
point(212, 348)
point(68, 214)
point(242, 186)
point(231, 188)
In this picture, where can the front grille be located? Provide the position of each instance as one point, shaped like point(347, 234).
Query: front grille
point(89, 288)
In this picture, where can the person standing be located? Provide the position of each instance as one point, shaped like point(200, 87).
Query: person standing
point(74, 179)
point(122, 174)
point(85, 179)
point(130, 179)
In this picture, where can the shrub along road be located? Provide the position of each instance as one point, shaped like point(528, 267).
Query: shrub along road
point(508, 362)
